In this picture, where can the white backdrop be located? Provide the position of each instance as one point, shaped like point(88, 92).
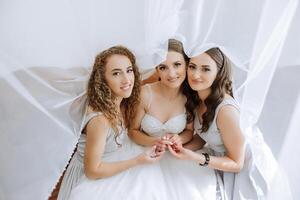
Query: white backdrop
point(48, 47)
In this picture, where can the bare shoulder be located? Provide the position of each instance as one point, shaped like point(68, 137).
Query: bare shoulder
point(98, 124)
point(146, 91)
point(228, 109)
point(228, 123)
point(228, 113)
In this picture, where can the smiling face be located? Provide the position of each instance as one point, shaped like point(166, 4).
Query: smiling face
point(172, 71)
point(202, 71)
point(119, 75)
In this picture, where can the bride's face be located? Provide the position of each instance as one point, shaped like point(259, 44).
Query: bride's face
point(172, 71)
point(119, 75)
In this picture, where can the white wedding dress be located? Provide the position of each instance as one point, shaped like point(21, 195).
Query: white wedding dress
point(185, 180)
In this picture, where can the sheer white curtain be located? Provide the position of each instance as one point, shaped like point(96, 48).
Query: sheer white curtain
point(47, 49)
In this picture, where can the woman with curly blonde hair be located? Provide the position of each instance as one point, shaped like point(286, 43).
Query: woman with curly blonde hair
point(102, 163)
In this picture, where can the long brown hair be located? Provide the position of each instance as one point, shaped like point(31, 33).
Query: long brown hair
point(222, 85)
point(100, 96)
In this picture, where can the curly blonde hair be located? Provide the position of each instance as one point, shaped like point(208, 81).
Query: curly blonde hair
point(100, 96)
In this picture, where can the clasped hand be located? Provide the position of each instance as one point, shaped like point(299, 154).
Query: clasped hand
point(169, 140)
point(173, 143)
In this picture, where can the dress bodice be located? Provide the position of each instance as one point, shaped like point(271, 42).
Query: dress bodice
point(212, 136)
point(154, 127)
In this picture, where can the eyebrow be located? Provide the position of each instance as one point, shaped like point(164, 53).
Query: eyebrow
point(161, 65)
point(200, 66)
point(118, 69)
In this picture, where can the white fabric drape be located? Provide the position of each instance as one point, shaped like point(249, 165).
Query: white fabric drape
point(47, 49)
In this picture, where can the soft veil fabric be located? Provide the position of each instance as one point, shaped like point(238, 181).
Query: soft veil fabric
point(47, 49)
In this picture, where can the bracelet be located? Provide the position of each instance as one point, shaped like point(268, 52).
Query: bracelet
point(207, 158)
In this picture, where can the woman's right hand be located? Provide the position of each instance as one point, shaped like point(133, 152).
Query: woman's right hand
point(149, 156)
point(180, 152)
point(161, 144)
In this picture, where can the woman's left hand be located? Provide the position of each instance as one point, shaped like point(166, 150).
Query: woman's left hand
point(175, 139)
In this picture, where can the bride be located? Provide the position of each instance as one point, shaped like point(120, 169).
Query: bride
point(162, 120)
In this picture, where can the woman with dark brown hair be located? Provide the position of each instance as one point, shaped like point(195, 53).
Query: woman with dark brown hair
point(216, 124)
point(102, 167)
point(162, 120)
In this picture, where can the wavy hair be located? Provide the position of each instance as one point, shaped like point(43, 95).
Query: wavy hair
point(100, 96)
point(222, 85)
